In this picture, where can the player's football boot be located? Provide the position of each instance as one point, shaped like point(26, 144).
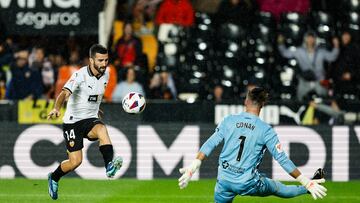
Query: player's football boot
point(319, 174)
point(53, 187)
point(113, 166)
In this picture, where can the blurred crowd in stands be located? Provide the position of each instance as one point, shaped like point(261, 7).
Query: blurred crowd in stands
point(203, 50)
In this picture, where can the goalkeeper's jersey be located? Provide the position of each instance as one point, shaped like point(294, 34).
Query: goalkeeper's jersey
point(245, 138)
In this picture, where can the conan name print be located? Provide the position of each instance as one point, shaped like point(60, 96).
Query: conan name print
point(245, 125)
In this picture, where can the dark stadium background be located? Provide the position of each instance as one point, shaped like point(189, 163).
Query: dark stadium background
point(195, 61)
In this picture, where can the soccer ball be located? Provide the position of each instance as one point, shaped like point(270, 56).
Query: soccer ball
point(133, 103)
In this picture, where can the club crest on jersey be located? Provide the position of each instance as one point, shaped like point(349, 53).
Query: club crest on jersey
point(278, 148)
point(93, 98)
point(72, 143)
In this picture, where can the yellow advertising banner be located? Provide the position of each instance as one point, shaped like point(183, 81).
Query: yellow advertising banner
point(30, 111)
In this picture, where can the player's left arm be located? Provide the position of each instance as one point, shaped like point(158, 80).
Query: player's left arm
point(216, 138)
point(274, 146)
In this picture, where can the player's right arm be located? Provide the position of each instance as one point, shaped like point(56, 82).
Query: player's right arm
point(216, 138)
point(273, 145)
point(67, 90)
point(63, 96)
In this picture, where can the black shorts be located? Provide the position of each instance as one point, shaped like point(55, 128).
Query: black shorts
point(74, 133)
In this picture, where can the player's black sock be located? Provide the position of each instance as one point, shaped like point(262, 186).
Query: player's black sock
point(58, 173)
point(108, 153)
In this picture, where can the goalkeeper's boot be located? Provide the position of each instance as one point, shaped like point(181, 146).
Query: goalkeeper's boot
point(113, 166)
point(319, 174)
point(53, 187)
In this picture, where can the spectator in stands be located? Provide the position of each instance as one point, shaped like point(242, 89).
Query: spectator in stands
point(276, 7)
point(178, 12)
point(25, 83)
point(239, 12)
point(143, 15)
point(346, 70)
point(2, 84)
point(218, 93)
point(65, 71)
point(129, 85)
point(38, 62)
point(311, 62)
point(162, 86)
point(128, 50)
point(56, 60)
point(6, 57)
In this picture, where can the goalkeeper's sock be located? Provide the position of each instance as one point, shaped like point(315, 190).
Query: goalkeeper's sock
point(107, 152)
point(57, 174)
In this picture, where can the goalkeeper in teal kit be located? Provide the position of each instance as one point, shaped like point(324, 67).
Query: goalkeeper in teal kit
point(246, 138)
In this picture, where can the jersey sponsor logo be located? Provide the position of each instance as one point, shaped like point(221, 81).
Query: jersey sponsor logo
point(64, 4)
point(225, 164)
point(93, 98)
point(245, 125)
point(279, 148)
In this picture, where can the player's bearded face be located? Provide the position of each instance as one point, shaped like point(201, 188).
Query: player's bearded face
point(100, 62)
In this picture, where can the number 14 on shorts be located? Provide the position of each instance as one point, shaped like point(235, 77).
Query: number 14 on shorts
point(70, 134)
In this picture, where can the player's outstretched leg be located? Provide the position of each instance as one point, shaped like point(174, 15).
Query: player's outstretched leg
point(53, 187)
point(288, 191)
point(113, 166)
point(273, 187)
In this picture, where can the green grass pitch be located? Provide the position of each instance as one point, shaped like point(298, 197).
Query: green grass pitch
point(161, 190)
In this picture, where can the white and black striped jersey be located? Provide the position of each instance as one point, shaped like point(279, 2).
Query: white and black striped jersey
point(87, 92)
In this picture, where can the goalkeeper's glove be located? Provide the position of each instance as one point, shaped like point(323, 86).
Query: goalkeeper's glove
point(316, 190)
point(188, 172)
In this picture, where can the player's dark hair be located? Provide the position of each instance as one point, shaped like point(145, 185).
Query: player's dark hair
point(97, 48)
point(258, 96)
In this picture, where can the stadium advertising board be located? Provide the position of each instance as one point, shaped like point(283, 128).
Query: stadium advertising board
point(50, 17)
point(159, 150)
point(36, 112)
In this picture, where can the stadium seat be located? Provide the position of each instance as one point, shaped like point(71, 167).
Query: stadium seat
point(150, 48)
point(266, 18)
point(351, 5)
point(321, 18)
point(292, 18)
point(117, 30)
point(232, 32)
